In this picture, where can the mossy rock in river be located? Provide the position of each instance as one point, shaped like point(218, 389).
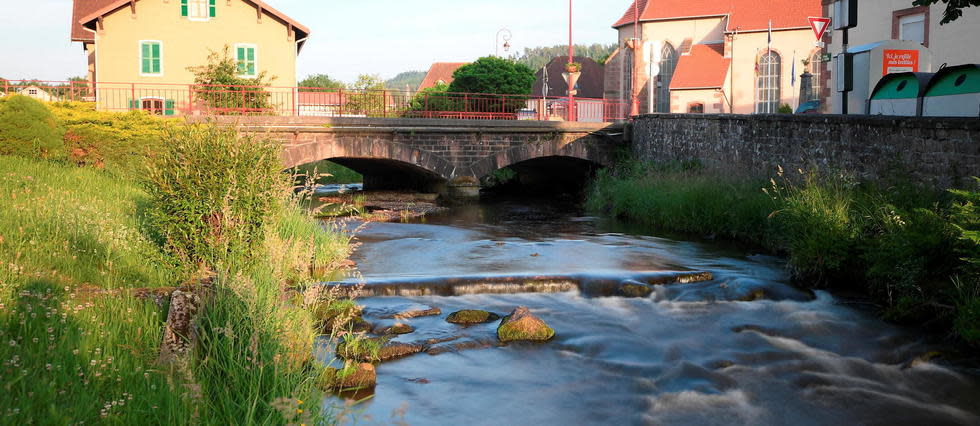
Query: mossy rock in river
point(632, 288)
point(353, 376)
point(522, 325)
point(472, 316)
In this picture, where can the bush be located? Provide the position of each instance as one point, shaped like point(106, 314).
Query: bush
point(815, 225)
point(785, 109)
point(221, 89)
point(28, 129)
point(492, 75)
point(212, 192)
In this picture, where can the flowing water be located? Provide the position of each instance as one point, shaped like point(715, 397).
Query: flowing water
point(688, 354)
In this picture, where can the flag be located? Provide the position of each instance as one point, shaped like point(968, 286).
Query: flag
point(792, 81)
point(769, 42)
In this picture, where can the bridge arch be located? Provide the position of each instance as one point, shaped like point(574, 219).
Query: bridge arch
point(582, 149)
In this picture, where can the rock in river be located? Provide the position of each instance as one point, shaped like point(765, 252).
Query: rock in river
point(472, 316)
point(633, 288)
point(358, 376)
point(523, 325)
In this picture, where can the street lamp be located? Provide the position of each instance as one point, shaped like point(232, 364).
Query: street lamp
point(506, 37)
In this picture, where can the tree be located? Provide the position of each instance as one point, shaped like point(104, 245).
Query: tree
point(492, 75)
point(538, 57)
point(954, 8)
point(433, 98)
point(367, 97)
point(221, 88)
point(319, 81)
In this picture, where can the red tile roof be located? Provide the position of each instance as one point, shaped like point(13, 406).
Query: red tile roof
point(81, 9)
point(705, 67)
point(87, 11)
point(746, 15)
point(440, 71)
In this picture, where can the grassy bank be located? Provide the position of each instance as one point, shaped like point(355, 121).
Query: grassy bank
point(327, 172)
point(916, 252)
point(77, 347)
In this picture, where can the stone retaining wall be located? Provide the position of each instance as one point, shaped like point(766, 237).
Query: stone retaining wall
point(938, 152)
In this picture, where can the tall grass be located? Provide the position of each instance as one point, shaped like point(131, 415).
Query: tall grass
point(912, 249)
point(76, 348)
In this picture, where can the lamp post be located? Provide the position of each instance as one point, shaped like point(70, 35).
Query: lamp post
point(506, 37)
point(571, 60)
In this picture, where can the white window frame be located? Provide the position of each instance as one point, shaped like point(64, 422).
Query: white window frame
point(911, 19)
point(207, 10)
point(139, 55)
point(255, 49)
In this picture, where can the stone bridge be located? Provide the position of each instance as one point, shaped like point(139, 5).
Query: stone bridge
point(427, 154)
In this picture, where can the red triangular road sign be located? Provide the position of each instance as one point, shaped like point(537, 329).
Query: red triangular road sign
point(819, 26)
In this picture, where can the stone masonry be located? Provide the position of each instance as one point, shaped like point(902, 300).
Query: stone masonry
point(446, 149)
point(937, 152)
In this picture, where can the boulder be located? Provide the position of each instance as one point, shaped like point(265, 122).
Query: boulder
point(522, 325)
point(633, 288)
point(359, 376)
point(472, 316)
point(397, 328)
point(376, 349)
point(405, 311)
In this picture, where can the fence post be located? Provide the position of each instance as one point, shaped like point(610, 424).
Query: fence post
point(243, 100)
point(340, 102)
point(132, 93)
point(384, 103)
point(190, 99)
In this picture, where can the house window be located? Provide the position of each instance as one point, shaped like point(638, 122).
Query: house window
point(696, 108)
point(245, 53)
point(816, 70)
point(911, 25)
point(151, 58)
point(198, 10)
point(767, 83)
point(32, 92)
point(153, 106)
point(668, 61)
point(912, 28)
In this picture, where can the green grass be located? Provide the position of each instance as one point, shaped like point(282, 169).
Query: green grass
point(70, 356)
point(327, 172)
point(912, 249)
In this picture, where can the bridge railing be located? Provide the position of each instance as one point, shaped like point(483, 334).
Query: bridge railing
point(193, 99)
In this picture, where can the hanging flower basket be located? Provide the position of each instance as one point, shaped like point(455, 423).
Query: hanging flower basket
point(573, 67)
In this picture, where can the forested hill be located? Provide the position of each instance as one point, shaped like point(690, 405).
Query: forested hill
point(411, 78)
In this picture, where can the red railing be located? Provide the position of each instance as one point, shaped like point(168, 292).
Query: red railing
point(175, 99)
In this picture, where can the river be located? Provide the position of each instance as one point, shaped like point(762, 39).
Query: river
point(688, 354)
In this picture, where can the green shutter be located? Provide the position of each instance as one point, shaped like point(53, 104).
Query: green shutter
point(212, 7)
point(240, 56)
point(183, 8)
point(147, 66)
point(168, 107)
point(134, 104)
point(156, 58)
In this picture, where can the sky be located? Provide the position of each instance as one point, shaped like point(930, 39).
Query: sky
point(349, 37)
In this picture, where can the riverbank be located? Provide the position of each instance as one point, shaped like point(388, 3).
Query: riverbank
point(913, 252)
point(98, 255)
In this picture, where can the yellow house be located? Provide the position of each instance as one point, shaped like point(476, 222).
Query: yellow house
point(140, 51)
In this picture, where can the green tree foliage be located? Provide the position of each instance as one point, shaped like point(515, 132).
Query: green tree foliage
point(368, 96)
point(433, 98)
point(412, 79)
point(538, 57)
point(954, 8)
point(28, 129)
point(492, 75)
point(222, 89)
point(319, 81)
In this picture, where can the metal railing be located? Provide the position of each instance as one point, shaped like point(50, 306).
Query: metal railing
point(193, 99)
